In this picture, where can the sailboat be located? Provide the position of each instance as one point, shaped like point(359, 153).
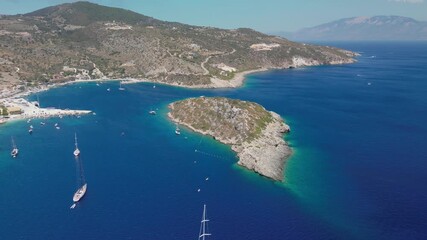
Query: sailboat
point(76, 151)
point(121, 88)
point(204, 225)
point(177, 130)
point(15, 150)
point(152, 112)
point(81, 191)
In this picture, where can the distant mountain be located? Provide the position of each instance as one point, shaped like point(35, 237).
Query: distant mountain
point(390, 28)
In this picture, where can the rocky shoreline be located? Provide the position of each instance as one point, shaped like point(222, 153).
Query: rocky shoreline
point(257, 137)
point(267, 154)
point(13, 90)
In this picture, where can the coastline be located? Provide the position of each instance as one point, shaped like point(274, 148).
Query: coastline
point(237, 81)
point(216, 83)
point(265, 155)
point(30, 110)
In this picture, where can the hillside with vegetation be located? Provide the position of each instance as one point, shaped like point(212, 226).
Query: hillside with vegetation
point(83, 40)
point(254, 133)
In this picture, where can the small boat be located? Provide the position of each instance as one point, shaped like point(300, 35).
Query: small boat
point(203, 233)
point(37, 103)
point(154, 86)
point(30, 131)
point(31, 127)
point(121, 88)
point(108, 89)
point(76, 151)
point(15, 149)
point(42, 123)
point(177, 130)
point(56, 124)
point(152, 112)
point(57, 127)
point(80, 193)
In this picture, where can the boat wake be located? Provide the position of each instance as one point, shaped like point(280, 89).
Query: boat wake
point(210, 154)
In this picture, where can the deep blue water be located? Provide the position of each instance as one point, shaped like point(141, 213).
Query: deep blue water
point(359, 170)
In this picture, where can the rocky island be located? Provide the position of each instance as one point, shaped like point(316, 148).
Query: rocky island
point(83, 41)
point(254, 133)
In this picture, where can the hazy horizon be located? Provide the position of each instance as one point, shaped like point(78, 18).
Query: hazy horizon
point(266, 16)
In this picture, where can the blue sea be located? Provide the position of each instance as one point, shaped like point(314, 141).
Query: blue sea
point(359, 168)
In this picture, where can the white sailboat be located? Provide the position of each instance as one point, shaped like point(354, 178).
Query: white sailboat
point(81, 182)
point(203, 233)
point(80, 193)
point(121, 88)
point(177, 130)
point(15, 150)
point(76, 151)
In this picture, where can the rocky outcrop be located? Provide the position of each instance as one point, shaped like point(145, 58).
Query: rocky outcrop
point(266, 154)
point(254, 133)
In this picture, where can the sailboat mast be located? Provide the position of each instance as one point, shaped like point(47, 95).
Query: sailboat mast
point(203, 225)
point(204, 221)
point(13, 143)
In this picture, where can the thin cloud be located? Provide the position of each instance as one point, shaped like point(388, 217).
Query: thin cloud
point(407, 1)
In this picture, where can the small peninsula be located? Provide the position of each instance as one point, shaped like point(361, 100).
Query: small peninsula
point(12, 109)
point(254, 133)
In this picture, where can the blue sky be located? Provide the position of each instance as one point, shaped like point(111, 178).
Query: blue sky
point(262, 15)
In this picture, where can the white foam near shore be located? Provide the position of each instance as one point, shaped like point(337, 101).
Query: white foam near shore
point(30, 110)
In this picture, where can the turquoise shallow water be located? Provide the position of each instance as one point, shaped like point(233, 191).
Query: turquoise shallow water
point(357, 173)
